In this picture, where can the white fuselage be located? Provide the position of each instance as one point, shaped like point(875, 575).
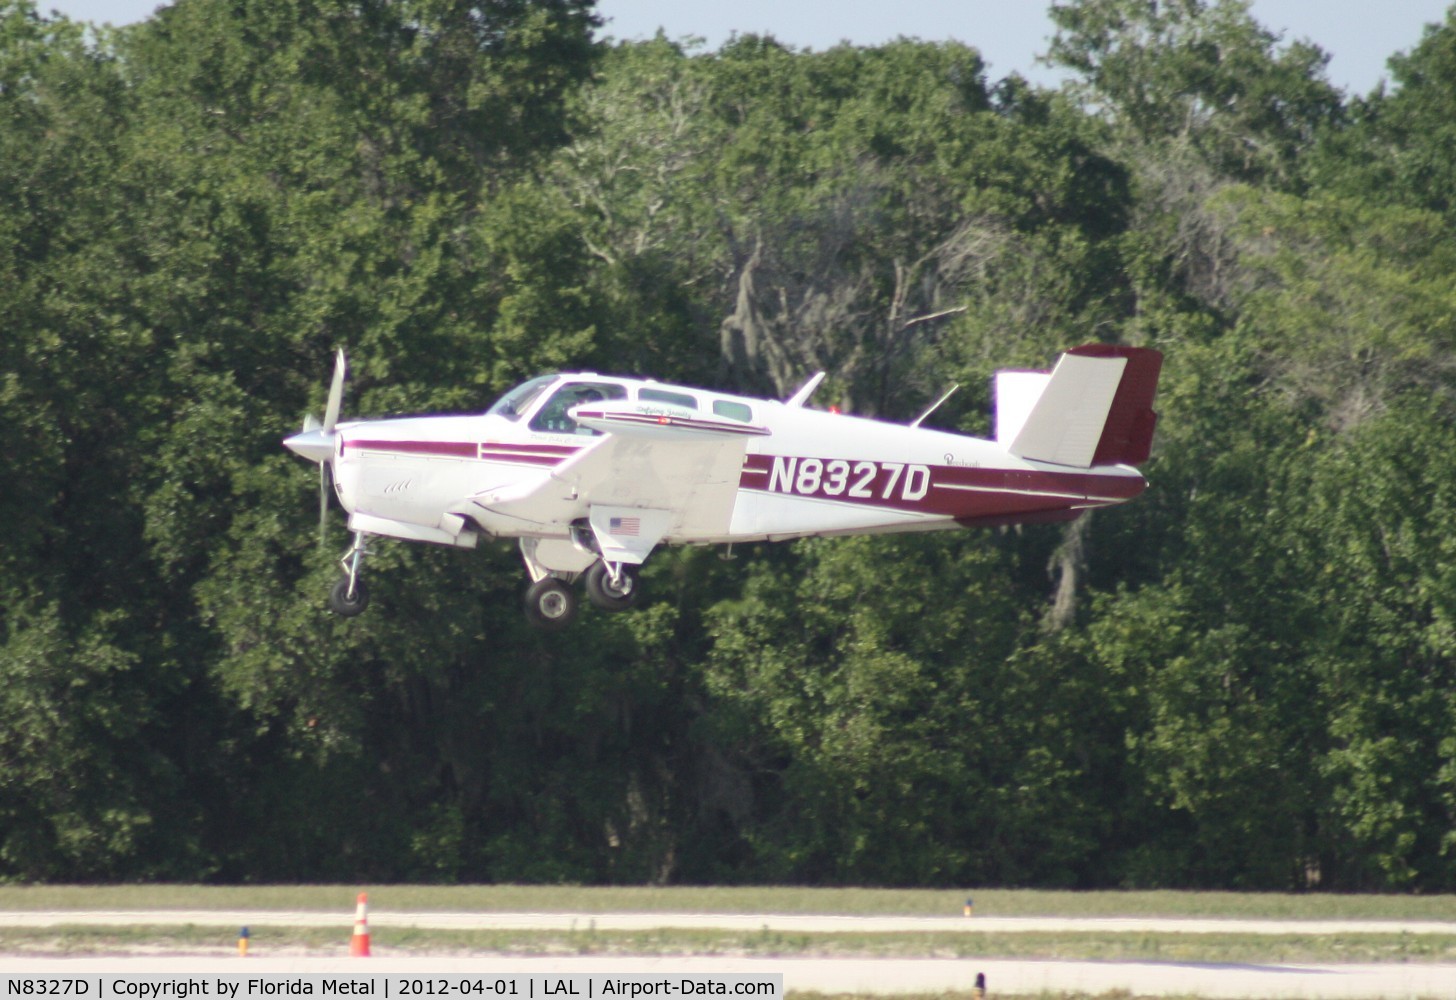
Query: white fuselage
point(773, 470)
point(591, 473)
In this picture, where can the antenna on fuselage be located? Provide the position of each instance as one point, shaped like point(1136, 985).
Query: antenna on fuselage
point(802, 396)
point(936, 405)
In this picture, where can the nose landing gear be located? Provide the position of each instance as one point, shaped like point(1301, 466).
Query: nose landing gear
point(349, 596)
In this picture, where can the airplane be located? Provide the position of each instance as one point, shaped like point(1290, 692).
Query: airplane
point(591, 473)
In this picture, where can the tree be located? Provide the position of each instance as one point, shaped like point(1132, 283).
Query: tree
point(1204, 75)
point(876, 701)
point(1411, 128)
point(192, 228)
point(1374, 525)
point(1349, 305)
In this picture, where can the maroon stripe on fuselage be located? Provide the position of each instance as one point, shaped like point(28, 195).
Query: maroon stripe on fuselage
point(559, 450)
point(1088, 485)
point(489, 451)
point(954, 491)
point(516, 458)
point(673, 420)
point(542, 455)
point(435, 449)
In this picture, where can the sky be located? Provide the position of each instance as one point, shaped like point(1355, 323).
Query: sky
point(1359, 35)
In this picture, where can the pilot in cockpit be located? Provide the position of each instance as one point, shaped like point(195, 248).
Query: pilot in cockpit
point(554, 417)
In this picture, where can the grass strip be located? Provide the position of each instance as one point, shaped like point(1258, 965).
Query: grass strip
point(1219, 948)
point(745, 899)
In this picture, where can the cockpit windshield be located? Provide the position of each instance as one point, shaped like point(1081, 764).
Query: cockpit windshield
point(519, 399)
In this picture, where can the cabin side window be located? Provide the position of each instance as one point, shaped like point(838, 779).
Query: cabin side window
point(554, 417)
point(666, 396)
point(733, 411)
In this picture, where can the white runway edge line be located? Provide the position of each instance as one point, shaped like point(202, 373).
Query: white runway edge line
point(797, 923)
point(839, 975)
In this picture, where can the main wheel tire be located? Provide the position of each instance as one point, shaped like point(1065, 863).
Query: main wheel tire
point(550, 604)
point(341, 604)
point(609, 594)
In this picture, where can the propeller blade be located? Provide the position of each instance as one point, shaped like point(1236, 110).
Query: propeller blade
point(317, 443)
point(326, 475)
point(336, 393)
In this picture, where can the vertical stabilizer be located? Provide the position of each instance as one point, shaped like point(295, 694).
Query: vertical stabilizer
point(1016, 395)
point(1127, 437)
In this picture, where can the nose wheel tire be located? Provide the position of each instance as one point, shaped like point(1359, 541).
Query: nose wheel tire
point(346, 604)
point(550, 604)
point(613, 595)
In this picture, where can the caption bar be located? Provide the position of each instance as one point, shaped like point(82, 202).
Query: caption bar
point(397, 987)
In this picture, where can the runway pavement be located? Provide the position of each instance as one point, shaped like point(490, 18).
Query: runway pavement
point(826, 975)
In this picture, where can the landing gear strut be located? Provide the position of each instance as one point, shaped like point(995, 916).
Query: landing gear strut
point(349, 596)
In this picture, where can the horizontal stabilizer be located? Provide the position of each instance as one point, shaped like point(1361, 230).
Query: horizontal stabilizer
point(1066, 423)
point(1095, 408)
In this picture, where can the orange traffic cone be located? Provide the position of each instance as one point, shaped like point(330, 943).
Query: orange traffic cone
point(359, 943)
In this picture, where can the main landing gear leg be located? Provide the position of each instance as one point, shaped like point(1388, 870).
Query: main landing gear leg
point(349, 596)
point(550, 603)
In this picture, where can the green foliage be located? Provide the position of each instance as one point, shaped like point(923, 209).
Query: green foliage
point(876, 687)
point(1352, 305)
point(830, 210)
point(1242, 679)
point(1205, 74)
point(1399, 149)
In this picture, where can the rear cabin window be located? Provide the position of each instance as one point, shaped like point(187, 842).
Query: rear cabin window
point(664, 396)
point(733, 411)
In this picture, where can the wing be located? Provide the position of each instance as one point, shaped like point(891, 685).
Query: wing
point(658, 476)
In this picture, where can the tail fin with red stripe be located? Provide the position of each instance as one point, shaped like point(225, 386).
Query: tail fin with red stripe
point(1094, 408)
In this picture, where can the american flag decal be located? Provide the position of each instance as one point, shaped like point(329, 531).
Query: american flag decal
point(625, 525)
